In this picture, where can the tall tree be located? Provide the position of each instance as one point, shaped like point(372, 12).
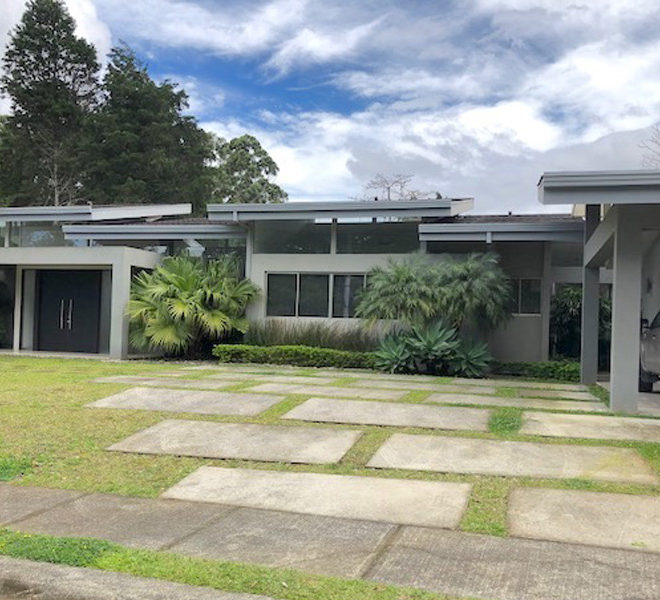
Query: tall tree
point(142, 148)
point(50, 75)
point(244, 172)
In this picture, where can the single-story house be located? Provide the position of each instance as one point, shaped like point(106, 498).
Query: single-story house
point(65, 271)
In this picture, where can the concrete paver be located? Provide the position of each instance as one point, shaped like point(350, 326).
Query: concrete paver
point(19, 502)
point(561, 394)
point(329, 391)
point(521, 383)
point(387, 383)
point(270, 378)
point(614, 520)
point(189, 401)
point(137, 522)
point(324, 545)
point(568, 405)
point(45, 581)
point(411, 502)
point(369, 412)
point(275, 443)
point(480, 566)
point(515, 459)
point(591, 427)
point(167, 382)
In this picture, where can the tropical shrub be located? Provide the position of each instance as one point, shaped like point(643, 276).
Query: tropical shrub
point(560, 370)
point(470, 359)
point(302, 356)
point(321, 334)
point(431, 347)
point(394, 356)
point(185, 305)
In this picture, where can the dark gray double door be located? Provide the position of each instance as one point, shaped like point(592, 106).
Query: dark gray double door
point(68, 310)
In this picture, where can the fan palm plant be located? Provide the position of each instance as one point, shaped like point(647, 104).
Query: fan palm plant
point(185, 304)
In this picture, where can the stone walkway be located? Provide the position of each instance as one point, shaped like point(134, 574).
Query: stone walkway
point(451, 562)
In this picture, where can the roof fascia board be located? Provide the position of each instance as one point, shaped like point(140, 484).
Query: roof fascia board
point(87, 212)
point(152, 232)
point(511, 236)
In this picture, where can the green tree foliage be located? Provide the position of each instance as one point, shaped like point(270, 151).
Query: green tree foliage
point(184, 306)
point(471, 293)
point(50, 76)
point(243, 172)
point(141, 149)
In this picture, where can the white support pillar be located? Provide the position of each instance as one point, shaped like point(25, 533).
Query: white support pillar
point(121, 289)
point(590, 306)
point(18, 306)
point(546, 300)
point(626, 306)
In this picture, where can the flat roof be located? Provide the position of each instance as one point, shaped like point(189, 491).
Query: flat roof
point(600, 187)
point(286, 211)
point(89, 212)
point(504, 228)
point(155, 231)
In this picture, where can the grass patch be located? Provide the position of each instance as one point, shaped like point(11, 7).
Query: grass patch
point(12, 467)
point(486, 510)
point(505, 421)
point(286, 584)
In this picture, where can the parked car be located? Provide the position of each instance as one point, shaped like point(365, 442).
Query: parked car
point(649, 371)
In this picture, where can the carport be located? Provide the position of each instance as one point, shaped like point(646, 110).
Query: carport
point(622, 230)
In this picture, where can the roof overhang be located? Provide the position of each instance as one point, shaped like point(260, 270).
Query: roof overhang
point(291, 211)
point(600, 187)
point(154, 231)
point(88, 212)
point(501, 232)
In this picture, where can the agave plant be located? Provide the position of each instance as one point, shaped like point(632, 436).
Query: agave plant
point(470, 359)
point(394, 356)
point(185, 304)
point(432, 347)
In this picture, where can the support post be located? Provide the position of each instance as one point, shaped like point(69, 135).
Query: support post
point(546, 300)
point(121, 289)
point(626, 306)
point(590, 306)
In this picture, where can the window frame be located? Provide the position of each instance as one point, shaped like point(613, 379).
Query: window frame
point(517, 297)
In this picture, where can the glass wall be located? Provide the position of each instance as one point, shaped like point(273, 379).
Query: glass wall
point(526, 296)
point(377, 238)
point(309, 295)
point(291, 237)
point(7, 290)
point(37, 233)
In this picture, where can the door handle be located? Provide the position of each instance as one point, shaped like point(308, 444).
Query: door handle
point(69, 318)
point(61, 323)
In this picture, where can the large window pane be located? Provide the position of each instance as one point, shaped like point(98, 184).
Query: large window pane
point(313, 296)
point(377, 238)
point(345, 293)
point(7, 285)
point(38, 233)
point(530, 296)
point(281, 301)
point(292, 237)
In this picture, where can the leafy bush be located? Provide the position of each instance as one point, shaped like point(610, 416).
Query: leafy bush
point(432, 347)
point(560, 370)
point(470, 359)
point(394, 356)
point(184, 305)
point(276, 332)
point(302, 356)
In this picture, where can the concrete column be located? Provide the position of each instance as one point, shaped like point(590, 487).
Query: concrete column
point(626, 306)
point(18, 304)
point(590, 306)
point(546, 299)
point(121, 289)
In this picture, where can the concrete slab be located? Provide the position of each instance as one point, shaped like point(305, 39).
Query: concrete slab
point(189, 401)
point(482, 566)
point(18, 502)
point(317, 544)
point(169, 382)
point(389, 384)
point(408, 502)
point(330, 391)
point(25, 579)
point(591, 427)
point(521, 383)
point(567, 395)
point(568, 405)
point(272, 443)
point(513, 459)
point(362, 412)
point(301, 379)
point(135, 522)
point(613, 520)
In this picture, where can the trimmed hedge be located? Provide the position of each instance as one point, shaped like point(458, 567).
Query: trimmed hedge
point(561, 370)
point(300, 356)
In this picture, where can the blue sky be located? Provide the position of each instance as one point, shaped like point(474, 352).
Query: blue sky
point(471, 98)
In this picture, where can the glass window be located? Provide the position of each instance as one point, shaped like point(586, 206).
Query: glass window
point(291, 237)
point(313, 296)
point(526, 296)
point(281, 300)
point(377, 238)
point(345, 291)
point(7, 286)
point(37, 233)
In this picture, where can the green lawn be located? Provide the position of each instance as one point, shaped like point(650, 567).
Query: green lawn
point(49, 438)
